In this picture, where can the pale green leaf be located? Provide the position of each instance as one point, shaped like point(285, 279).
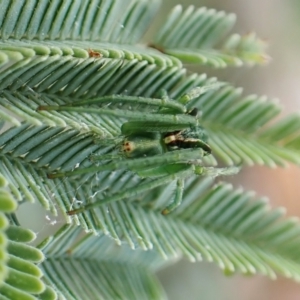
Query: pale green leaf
point(99, 268)
point(20, 276)
point(195, 35)
point(106, 20)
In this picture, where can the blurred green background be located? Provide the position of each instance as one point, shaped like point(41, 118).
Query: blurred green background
point(278, 22)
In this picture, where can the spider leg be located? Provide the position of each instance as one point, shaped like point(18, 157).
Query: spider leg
point(192, 94)
point(96, 157)
point(173, 157)
point(177, 118)
point(198, 91)
point(158, 171)
point(142, 126)
point(164, 102)
point(215, 172)
point(185, 171)
point(179, 174)
point(178, 197)
point(204, 171)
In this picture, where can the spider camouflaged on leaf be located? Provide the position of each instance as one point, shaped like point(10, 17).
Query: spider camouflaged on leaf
point(166, 145)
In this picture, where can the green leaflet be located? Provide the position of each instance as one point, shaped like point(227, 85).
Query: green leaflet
point(225, 226)
point(102, 268)
point(195, 35)
point(77, 20)
point(7, 205)
point(20, 276)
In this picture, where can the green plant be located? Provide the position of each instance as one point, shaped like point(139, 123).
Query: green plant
point(55, 52)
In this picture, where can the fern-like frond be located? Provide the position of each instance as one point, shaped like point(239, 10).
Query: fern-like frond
point(195, 36)
point(7, 205)
point(68, 68)
point(97, 262)
point(190, 35)
point(239, 126)
point(249, 48)
point(24, 279)
point(106, 20)
point(238, 130)
point(224, 225)
point(72, 242)
point(229, 227)
point(87, 279)
point(20, 276)
point(57, 52)
point(29, 152)
point(285, 132)
point(27, 179)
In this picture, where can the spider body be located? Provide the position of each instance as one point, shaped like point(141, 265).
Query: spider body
point(165, 145)
point(153, 143)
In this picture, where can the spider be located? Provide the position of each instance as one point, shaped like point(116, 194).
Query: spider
point(165, 145)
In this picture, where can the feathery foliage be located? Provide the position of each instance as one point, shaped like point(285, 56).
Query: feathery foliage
point(196, 35)
point(20, 276)
point(229, 227)
point(57, 52)
point(7, 205)
point(118, 272)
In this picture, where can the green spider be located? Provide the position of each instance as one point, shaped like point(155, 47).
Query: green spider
point(166, 145)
